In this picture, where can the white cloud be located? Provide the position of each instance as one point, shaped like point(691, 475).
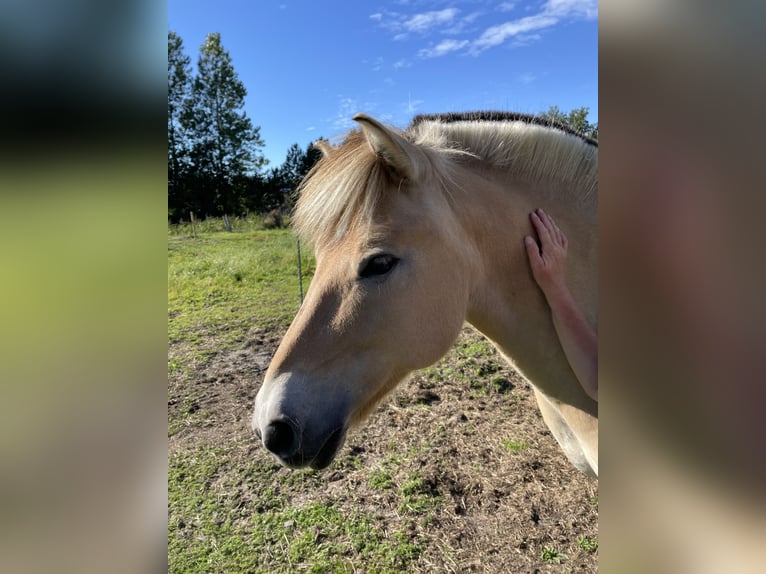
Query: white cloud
point(587, 9)
point(527, 78)
point(496, 35)
point(347, 108)
point(442, 48)
point(311, 128)
point(422, 22)
point(401, 25)
point(515, 32)
point(525, 40)
point(461, 25)
point(553, 12)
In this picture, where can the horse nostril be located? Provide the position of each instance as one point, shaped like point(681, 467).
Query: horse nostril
point(280, 438)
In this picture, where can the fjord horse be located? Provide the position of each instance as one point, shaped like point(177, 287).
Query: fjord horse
point(416, 232)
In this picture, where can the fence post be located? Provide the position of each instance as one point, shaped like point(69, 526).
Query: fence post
point(194, 228)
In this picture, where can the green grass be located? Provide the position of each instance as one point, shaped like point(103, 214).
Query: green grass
point(234, 519)
point(514, 446)
point(252, 222)
point(587, 543)
point(223, 284)
point(417, 497)
point(552, 555)
point(381, 480)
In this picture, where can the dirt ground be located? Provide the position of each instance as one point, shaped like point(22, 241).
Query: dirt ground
point(502, 491)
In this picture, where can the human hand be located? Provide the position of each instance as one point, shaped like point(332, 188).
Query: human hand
point(547, 260)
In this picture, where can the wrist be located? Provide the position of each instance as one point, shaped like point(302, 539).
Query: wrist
point(558, 296)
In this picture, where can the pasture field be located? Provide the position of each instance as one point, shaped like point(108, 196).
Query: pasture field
point(455, 472)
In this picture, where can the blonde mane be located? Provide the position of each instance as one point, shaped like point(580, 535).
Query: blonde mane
point(341, 191)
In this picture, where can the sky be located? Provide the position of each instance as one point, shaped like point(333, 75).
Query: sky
point(309, 66)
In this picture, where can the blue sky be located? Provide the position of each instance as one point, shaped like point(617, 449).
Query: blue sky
point(309, 66)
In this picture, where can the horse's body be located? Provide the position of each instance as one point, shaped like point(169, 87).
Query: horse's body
point(415, 233)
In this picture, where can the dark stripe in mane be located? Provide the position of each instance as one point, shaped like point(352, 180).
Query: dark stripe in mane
point(490, 116)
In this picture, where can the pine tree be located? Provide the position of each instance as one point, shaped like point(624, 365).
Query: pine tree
point(179, 88)
point(225, 144)
point(310, 157)
point(292, 169)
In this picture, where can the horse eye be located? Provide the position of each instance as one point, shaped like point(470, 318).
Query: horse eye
point(377, 265)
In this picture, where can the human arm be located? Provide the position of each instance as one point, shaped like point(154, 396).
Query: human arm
point(578, 340)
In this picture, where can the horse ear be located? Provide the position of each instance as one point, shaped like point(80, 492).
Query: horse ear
point(323, 146)
point(388, 145)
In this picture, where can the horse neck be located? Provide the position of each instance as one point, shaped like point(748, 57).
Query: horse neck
point(505, 303)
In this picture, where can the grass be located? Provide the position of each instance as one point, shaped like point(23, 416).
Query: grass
point(552, 555)
point(224, 283)
point(417, 497)
point(225, 519)
point(251, 222)
point(587, 543)
point(381, 480)
point(514, 446)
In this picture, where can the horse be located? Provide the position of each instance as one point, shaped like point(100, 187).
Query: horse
point(414, 233)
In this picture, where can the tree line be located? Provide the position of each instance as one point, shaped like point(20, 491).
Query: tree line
point(215, 164)
point(577, 119)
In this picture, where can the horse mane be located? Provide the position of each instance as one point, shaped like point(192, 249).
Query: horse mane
point(492, 116)
point(342, 190)
point(528, 147)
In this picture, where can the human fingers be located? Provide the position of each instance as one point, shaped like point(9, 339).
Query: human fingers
point(556, 234)
point(542, 229)
point(533, 251)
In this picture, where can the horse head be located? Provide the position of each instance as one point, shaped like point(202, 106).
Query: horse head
point(389, 294)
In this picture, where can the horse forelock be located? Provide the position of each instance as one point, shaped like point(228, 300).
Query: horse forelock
point(340, 192)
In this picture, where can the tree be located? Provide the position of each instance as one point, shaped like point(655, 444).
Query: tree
point(263, 192)
point(285, 179)
point(298, 163)
point(225, 144)
point(577, 119)
point(311, 156)
point(179, 88)
point(292, 169)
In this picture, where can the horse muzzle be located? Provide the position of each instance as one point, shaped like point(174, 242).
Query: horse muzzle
point(296, 427)
point(283, 441)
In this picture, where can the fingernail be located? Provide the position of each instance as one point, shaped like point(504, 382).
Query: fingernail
point(529, 240)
